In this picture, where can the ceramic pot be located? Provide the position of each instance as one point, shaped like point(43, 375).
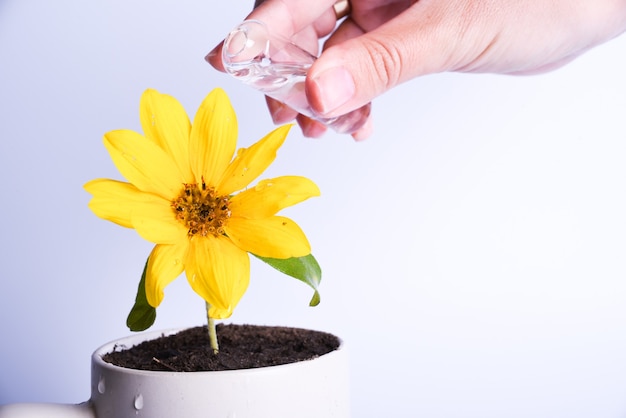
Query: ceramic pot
point(313, 388)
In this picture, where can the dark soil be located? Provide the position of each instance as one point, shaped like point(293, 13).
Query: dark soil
point(241, 347)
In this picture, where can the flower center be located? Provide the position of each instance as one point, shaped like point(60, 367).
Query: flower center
point(201, 210)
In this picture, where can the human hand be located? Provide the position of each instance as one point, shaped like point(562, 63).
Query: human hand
point(383, 43)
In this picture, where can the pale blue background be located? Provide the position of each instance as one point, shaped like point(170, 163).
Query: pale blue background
point(474, 249)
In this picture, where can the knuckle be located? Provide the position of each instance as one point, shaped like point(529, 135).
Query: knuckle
point(385, 63)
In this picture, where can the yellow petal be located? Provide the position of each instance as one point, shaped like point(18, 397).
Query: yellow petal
point(144, 163)
point(219, 272)
point(270, 196)
point(251, 162)
point(113, 200)
point(217, 313)
point(156, 222)
point(213, 137)
point(275, 237)
point(165, 122)
point(164, 265)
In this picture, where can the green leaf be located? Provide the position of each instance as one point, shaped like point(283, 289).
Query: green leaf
point(305, 269)
point(142, 315)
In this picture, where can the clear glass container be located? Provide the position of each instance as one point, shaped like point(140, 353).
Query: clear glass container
point(278, 67)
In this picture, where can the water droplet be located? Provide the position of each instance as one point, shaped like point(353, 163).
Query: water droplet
point(102, 387)
point(138, 404)
point(262, 185)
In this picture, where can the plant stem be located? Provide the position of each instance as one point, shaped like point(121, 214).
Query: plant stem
point(212, 333)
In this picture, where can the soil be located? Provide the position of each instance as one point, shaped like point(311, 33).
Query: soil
point(241, 347)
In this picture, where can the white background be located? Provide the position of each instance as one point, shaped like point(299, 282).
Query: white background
point(474, 249)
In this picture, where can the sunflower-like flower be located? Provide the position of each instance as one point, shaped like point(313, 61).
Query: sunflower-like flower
point(181, 195)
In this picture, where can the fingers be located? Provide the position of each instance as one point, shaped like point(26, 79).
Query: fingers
point(365, 131)
point(288, 17)
point(281, 113)
point(356, 66)
point(314, 129)
point(304, 24)
point(215, 58)
point(347, 30)
point(310, 128)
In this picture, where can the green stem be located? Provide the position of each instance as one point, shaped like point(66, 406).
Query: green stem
point(212, 333)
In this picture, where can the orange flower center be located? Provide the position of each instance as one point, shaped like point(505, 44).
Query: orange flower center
point(201, 210)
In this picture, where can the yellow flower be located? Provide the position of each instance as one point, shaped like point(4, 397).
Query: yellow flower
point(182, 179)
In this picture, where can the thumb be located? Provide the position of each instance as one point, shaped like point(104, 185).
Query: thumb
point(357, 66)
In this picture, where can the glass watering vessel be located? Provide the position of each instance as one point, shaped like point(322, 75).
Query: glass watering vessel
point(278, 67)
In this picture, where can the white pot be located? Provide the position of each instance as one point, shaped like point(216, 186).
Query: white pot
point(317, 388)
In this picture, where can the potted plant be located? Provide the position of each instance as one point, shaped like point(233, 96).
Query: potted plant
point(188, 193)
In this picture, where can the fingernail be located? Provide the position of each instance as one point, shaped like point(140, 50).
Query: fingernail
point(280, 113)
point(211, 54)
point(310, 128)
point(332, 89)
point(364, 131)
